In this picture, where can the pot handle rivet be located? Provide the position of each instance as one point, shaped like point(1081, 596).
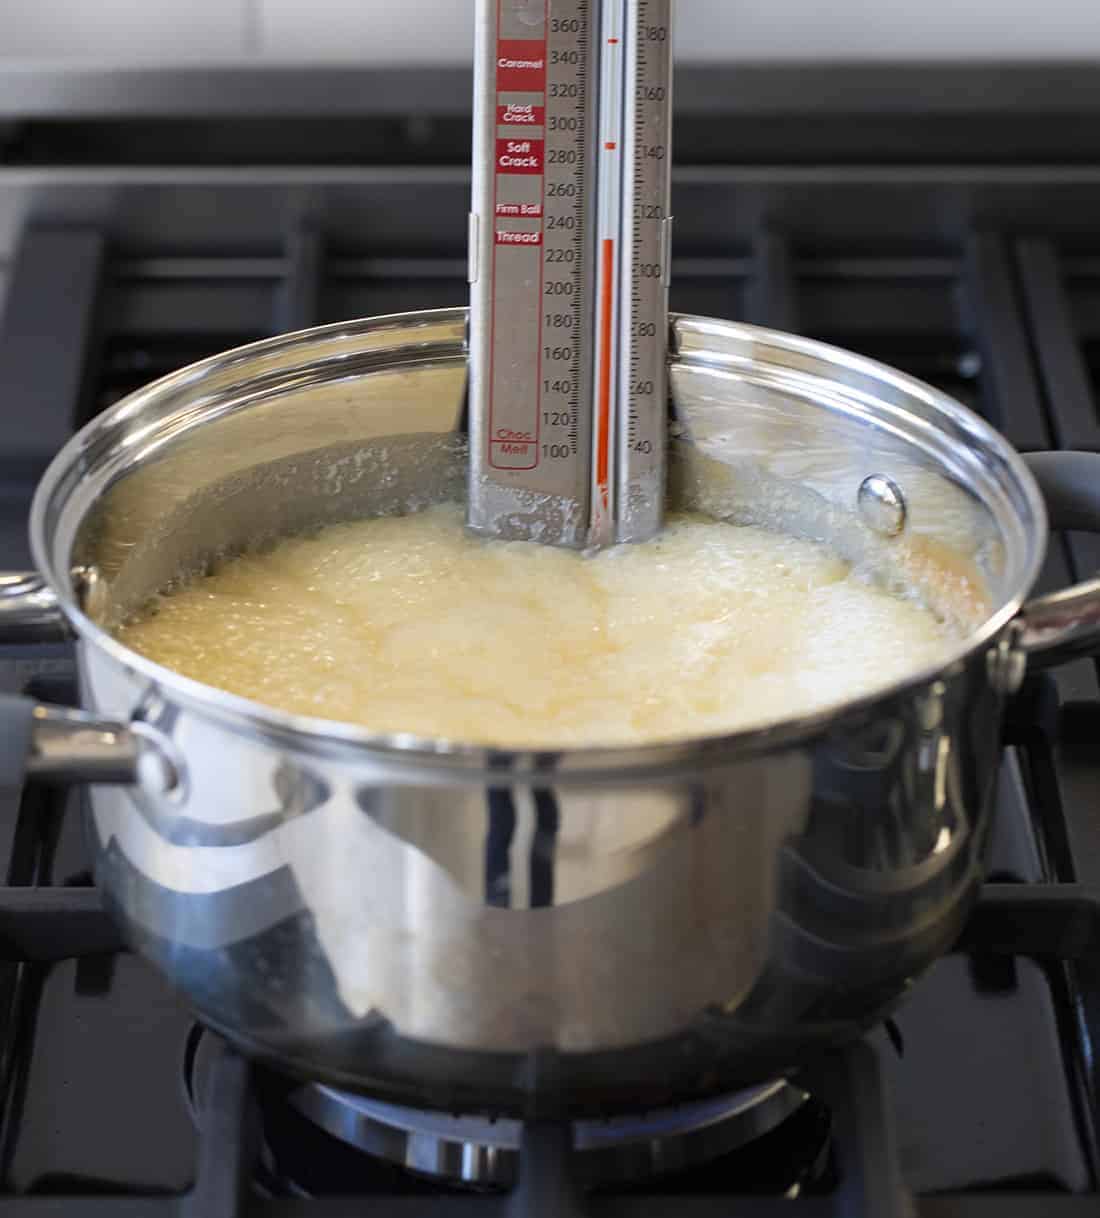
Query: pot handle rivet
point(882, 505)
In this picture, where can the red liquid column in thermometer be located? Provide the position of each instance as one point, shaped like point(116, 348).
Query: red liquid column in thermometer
point(629, 439)
point(609, 244)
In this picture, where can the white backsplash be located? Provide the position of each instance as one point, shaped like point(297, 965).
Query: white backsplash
point(122, 31)
point(439, 31)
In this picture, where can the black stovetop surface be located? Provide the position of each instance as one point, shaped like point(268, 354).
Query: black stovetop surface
point(978, 1091)
point(982, 278)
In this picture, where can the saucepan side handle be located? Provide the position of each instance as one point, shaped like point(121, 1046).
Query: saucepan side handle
point(59, 745)
point(29, 612)
point(1066, 624)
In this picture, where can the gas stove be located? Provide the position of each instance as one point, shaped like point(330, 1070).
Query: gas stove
point(942, 220)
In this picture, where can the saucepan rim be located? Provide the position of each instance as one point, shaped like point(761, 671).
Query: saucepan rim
point(333, 738)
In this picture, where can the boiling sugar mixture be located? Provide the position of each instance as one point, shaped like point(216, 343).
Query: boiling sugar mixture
point(410, 624)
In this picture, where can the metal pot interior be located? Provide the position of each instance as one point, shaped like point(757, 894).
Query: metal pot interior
point(366, 419)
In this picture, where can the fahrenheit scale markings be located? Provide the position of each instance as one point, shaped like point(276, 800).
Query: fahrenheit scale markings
point(569, 252)
point(644, 273)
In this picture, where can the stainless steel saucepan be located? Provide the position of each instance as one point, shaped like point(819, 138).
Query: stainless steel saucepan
point(541, 932)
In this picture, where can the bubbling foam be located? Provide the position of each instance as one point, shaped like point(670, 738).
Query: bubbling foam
point(411, 625)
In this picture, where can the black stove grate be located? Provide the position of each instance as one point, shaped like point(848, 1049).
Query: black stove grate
point(1049, 922)
point(964, 277)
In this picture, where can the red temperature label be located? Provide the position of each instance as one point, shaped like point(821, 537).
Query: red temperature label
point(520, 211)
point(506, 237)
point(521, 65)
point(521, 114)
point(520, 156)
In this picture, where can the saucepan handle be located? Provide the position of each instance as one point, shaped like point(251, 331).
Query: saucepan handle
point(1065, 624)
point(59, 745)
point(29, 612)
point(54, 743)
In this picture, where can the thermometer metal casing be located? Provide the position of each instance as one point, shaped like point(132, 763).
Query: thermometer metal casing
point(569, 243)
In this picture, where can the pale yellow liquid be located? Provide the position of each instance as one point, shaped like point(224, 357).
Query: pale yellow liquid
point(409, 624)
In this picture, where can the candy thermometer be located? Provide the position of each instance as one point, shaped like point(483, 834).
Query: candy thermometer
point(569, 262)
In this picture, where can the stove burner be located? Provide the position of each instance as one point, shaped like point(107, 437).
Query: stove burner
point(482, 1151)
point(318, 1141)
